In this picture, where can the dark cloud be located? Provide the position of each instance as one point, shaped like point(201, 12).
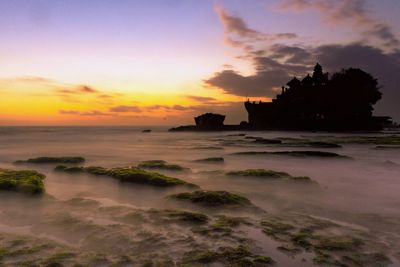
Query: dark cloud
point(277, 63)
point(200, 98)
point(123, 108)
point(140, 109)
point(86, 89)
point(384, 66)
point(94, 113)
point(350, 12)
point(271, 73)
point(83, 89)
point(292, 54)
point(238, 34)
point(167, 108)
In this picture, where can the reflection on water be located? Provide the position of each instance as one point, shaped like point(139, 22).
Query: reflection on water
point(360, 193)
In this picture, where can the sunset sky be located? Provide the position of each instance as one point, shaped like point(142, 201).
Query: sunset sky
point(160, 62)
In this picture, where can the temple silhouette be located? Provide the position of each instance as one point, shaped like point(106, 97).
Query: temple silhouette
point(342, 102)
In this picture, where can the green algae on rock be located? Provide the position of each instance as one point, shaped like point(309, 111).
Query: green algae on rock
point(52, 160)
point(160, 164)
point(128, 174)
point(258, 173)
point(262, 173)
point(211, 160)
point(213, 198)
point(229, 256)
point(187, 216)
point(25, 181)
point(316, 144)
point(300, 153)
point(376, 140)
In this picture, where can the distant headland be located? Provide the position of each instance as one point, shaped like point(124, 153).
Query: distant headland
point(342, 102)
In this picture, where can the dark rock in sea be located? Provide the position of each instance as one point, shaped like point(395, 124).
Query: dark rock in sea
point(53, 160)
point(129, 174)
point(319, 154)
point(26, 181)
point(387, 147)
point(146, 131)
point(261, 140)
point(211, 160)
point(160, 164)
point(315, 144)
point(269, 174)
point(209, 121)
point(213, 198)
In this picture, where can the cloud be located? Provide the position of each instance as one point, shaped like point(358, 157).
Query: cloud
point(200, 98)
point(349, 12)
point(238, 34)
point(152, 108)
point(123, 108)
point(376, 52)
point(87, 89)
point(382, 65)
point(167, 108)
point(82, 89)
point(91, 113)
point(270, 74)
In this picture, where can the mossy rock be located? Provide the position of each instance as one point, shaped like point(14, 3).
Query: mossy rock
point(270, 174)
point(128, 174)
point(137, 175)
point(377, 259)
point(258, 173)
point(199, 256)
point(318, 154)
point(187, 216)
point(387, 147)
point(211, 160)
point(213, 198)
point(160, 164)
point(376, 140)
point(228, 256)
point(276, 228)
point(267, 141)
point(316, 144)
point(53, 160)
point(73, 169)
point(339, 243)
point(26, 181)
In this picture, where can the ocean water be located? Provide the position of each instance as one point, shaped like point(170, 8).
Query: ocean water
point(94, 217)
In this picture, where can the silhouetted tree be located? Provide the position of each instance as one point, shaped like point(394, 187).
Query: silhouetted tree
point(351, 94)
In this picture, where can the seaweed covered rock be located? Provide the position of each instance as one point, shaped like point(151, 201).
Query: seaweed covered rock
point(376, 140)
point(53, 160)
point(26, 181)
point(270, 174)
point(186, 216)
point(128, 174)
point(228, 256)
point(213, 198)
point(258, 173)
point(261, 140)
point(315, 144)
point(160, 164)
point(211, 160)
point(300, 153)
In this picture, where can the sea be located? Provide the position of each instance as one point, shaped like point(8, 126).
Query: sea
point(347, 212)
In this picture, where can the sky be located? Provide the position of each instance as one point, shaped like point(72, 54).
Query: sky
point(161, 62)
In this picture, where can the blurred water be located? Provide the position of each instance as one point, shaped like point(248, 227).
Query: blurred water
point(362, 191)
